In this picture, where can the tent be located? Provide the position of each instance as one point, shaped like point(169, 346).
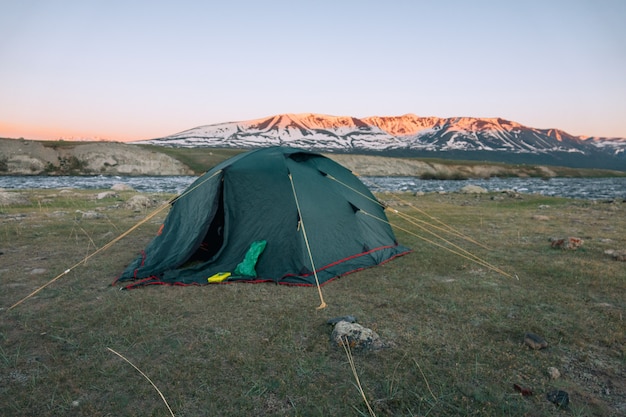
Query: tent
point(275, 214)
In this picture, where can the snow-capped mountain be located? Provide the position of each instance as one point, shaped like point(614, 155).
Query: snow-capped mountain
point(310, 131)
point(460, 137)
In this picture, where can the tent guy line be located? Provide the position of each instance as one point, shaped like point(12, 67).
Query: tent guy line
point(446, 229)
point(107, 246)
point(461, 252)
point(91, 255)
point(308, 246)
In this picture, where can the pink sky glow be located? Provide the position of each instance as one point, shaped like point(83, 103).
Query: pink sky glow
point(120, 70)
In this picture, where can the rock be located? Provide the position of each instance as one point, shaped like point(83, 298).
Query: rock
point(540, 217)
point(139, 202)
point(89, 215)
point(618, 255)
point(512, 194)
point(58, 213)
point(356, 336)
point(559, 398)
point(554, 373)
point(8, 198)
point(569, 243)
point(37, 271)
point(535, 341)
point(106, 194)
point(122, 187)
point(349, 319)
point(473, 189)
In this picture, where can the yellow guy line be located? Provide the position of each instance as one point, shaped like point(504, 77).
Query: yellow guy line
point(149, 380)
point(346, 347)
point(460, 251)
point(114, 241)
point(454, 245)
point(446, 228)
point(308, 247)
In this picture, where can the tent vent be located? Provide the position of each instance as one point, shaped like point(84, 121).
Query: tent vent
point(302, 156)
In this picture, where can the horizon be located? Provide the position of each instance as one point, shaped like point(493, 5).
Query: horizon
point(128, 72)
point(98, 139)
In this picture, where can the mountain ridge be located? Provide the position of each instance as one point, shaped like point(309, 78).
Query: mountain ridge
point(494, 139)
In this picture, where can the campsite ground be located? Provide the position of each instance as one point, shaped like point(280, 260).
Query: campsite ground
point(455, 327)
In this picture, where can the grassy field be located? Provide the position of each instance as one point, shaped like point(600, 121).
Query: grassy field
point(455, 327)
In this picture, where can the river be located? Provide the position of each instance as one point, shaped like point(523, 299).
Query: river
point(581, 188)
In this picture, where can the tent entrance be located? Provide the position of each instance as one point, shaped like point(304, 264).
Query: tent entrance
point(214, 238)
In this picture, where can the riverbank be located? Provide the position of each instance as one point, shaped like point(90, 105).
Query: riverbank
point(25, 157)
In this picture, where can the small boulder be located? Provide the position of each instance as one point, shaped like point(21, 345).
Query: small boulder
point(89, 215)
point(139, 202)
point(335, 320)
point(512, 194)
point(554, 372)
point(535, 341)
point(10, 198)
point(356, 336)
point(540, 217)
point(559, 398)
point(106, 194)
point(569, 243)
point(618, 255)
point(473, 189)
point(122, 187)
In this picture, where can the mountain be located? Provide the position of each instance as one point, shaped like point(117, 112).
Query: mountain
point(491, 139)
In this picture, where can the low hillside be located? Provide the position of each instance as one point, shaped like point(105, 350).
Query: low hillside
point(202, 159)
point(26, 157)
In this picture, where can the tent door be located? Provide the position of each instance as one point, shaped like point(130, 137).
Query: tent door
point(214, 238)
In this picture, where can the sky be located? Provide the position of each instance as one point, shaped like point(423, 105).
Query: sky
point(133, 69)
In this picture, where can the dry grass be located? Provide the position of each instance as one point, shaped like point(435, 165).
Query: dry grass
point(456, 326)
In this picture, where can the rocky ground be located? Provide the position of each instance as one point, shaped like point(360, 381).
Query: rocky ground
point(24, 157)
point(369, 165)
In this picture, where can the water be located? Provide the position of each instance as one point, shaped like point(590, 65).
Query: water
point(583, 188)
point(156, 184)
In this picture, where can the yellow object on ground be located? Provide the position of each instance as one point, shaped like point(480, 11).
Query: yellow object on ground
point(219, 277)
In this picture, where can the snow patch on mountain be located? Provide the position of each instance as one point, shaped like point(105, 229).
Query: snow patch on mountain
point(385, 133)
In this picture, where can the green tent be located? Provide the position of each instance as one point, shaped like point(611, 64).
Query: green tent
point(268, 215)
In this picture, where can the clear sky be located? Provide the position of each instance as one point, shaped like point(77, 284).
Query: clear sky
point(131, 69)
